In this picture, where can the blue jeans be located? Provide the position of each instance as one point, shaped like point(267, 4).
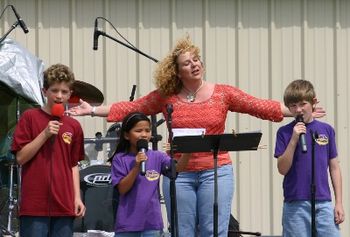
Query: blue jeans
point(296, 219)
point(146, 233)
point(195, 198)
point(34, 226)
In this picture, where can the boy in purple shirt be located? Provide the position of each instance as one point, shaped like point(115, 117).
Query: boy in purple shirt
point(295, 165)
point(139, 212)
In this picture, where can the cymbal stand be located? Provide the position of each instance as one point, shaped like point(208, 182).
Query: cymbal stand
point(4, 231)
point(12, 200)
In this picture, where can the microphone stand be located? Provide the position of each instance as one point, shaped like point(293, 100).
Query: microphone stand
point(14, 25)
point(156, 138)
point(126, 45)
point(240, 233)
point(314, 136)
point(174, 221)
point(154, 122)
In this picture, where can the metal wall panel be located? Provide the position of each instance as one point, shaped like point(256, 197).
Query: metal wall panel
point(257, 45)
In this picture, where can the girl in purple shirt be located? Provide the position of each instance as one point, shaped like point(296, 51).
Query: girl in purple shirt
point(139, 212)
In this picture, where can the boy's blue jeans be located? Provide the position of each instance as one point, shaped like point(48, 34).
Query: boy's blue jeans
point(34, 226)
point(296, 219)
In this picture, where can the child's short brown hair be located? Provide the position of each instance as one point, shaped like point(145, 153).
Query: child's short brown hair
point(58, 73)
point(299, 90)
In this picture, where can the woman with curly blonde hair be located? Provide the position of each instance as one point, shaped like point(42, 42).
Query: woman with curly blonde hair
point(165, 75)
point(196, 104)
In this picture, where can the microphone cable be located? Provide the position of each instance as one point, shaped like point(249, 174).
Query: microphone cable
point(3, 11)
point(115, 29)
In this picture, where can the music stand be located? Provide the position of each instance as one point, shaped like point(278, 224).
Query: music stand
point(214, 144)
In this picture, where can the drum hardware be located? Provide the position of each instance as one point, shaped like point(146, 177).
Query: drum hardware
point(99, 141)
point(114, 131)
point(12, 199)
point(87, 92)
point(12, 203)
point(99, 197)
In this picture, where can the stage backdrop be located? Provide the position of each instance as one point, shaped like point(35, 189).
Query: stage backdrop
point(257, 45)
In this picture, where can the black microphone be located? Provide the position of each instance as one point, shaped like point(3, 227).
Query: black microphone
point(142, 146)
point(302, 139)
point(133, 90)
point(20, 21)
point(169, 110)
point(96, 35)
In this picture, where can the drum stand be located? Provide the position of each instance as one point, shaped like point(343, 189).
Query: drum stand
point(11, 205)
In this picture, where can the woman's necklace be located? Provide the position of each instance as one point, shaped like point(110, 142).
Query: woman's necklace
point(191, 96)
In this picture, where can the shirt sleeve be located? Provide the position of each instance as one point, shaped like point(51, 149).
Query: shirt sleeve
point(119, 170)
point(333, 152)
point(281, 144)
point(78, 152)
point(149, 105)
point(241, 102)
point(22, 133)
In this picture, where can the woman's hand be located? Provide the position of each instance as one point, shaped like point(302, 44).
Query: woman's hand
point(84, 108)
point(318, 112)
point(166, 147)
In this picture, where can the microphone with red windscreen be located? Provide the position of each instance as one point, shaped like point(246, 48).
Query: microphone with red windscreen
point(57, 112)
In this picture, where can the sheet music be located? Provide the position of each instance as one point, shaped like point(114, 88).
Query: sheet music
point(177, 132)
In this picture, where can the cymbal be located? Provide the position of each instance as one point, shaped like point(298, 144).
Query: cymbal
point(86, 92)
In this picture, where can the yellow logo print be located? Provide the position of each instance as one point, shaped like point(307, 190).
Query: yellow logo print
point(67, 137)
point(152, 175)
point(322, 140)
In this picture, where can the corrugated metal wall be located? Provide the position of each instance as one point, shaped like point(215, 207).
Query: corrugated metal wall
point(257, 45)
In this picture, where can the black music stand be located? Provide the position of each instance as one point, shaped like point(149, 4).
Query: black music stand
point(214, 144)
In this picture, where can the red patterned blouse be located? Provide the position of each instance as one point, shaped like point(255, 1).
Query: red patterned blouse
point(210, 114)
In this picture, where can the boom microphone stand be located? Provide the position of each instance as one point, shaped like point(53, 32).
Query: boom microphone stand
point(155, 136)
point(19, 22)
point(174, 220)
point(14, 25)
point(97, 33)
point(314, 137)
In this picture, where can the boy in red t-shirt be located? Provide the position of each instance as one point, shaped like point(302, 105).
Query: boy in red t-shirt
point(48, 146)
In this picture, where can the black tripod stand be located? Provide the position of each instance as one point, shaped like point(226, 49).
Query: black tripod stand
point(214, 144)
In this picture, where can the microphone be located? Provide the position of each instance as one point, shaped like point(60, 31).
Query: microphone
point(142, 146)
point(96, 35)
point(169, 110)
point(302, 139)
point(57, 111)
point(20, 20)
point(132, 95)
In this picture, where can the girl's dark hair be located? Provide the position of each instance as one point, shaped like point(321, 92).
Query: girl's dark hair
point(128, 123)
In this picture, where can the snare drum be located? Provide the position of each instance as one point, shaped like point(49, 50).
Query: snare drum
point(100, 199)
